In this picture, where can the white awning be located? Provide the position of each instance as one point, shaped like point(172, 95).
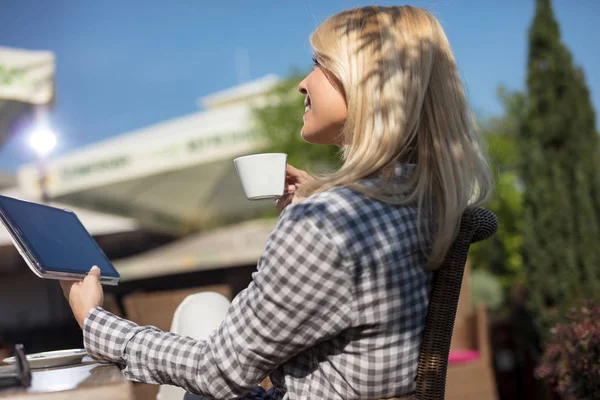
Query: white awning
point(7, 180)
point(172, 176)
point(227, 247)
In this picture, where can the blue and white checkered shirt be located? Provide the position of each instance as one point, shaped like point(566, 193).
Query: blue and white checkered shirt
point(335, 310)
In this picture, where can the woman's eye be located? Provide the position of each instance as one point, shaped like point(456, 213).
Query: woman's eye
point(315, 62)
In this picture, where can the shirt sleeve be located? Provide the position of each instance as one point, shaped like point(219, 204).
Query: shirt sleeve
point(300, 295)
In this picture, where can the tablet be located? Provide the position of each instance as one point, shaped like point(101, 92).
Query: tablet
point(53, 242)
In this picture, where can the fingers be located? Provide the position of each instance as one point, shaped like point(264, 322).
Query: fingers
point(291, 170)
point(294, 178)
point(66, 287)
point(283, 202)
point(292, 175)
point(70, 287)
point(295, 175)
point(94, 271)
point(93, 277)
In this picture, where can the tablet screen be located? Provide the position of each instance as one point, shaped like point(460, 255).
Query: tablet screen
point(56, 238)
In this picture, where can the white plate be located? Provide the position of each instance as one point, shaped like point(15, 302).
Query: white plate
point(52, 358)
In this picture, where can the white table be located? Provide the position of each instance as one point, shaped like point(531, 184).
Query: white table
point(87, 381)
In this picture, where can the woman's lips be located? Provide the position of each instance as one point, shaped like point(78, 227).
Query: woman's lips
point(307, 104)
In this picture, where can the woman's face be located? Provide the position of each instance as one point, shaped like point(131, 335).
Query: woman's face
point(325, 108)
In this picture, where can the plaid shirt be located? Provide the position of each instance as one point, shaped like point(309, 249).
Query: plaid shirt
point(335, 310)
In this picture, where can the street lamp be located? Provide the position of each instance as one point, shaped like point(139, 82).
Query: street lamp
point(42, 141)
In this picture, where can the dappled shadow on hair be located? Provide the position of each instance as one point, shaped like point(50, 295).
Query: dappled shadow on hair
point(411, 72)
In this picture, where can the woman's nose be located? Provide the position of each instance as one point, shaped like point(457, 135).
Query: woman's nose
point(302, 86)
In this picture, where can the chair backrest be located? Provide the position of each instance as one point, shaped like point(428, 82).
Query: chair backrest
point(197, 317)
point(157, 308)
point(462, 337)
point(476, 224)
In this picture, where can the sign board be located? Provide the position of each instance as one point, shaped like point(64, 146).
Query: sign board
point(26, 76)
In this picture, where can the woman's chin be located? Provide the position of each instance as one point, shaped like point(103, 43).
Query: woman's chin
point(308, 137)
point(303, 134)
point(327, 136)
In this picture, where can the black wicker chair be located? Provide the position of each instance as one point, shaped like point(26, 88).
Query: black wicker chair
point(477, 224)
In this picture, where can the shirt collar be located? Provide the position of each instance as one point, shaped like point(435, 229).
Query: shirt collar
point(404, 171)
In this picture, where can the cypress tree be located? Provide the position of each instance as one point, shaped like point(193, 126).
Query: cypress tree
point(559, 166)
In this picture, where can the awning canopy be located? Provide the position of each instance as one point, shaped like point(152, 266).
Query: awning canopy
point(227, 247)
point(26, 80)
point(173, 176)
point(7, 181)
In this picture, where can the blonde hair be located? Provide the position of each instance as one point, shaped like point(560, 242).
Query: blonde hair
point(406, 104)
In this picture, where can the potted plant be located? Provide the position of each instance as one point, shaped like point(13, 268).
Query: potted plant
point(571, 360)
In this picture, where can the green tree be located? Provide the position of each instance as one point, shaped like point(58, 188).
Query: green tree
point(280, 121)
point(559, 164)
point(501, 254)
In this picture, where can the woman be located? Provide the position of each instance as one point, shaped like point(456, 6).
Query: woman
point(337, 307)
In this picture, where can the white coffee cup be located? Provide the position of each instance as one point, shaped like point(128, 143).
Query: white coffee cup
point(262, 175)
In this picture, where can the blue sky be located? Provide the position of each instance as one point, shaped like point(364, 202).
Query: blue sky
point(122, 65)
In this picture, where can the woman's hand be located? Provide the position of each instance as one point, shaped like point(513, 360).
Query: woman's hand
point(294, 179)
point(84, 295)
